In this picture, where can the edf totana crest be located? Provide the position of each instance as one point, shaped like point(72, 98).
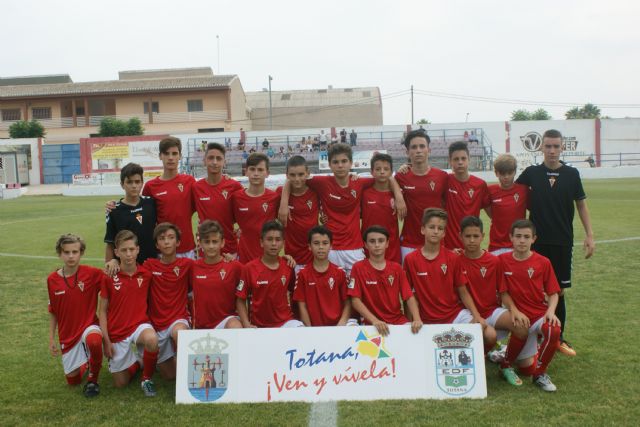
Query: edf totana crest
point(454, 362)
point(208, 368)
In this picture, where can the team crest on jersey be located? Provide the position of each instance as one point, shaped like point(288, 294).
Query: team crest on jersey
point(207, 369)
point(222, 274)
point(454, 362)
point(240, 286)
point(139, 218)
point(354, 194)
point(81, 286)
point(225, 193)
point(331, 283)
point(310, 204)
point(552, 181)
point(443, 267)
point(432, 184)
point(265, 206)
point(531, 271)
point(181, 187)
point(140, 280)
point(390, 279)
point(483, 270)
point(470, 193)
point(352, 284)
point(283, 279)
point(176, 270)
point(516, 197)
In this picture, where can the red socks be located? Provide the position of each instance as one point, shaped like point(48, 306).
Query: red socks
point(550, 339)
point(514, 348)
point(94, 344)
point(133, 370)
point(149, 360)
point(74, 380)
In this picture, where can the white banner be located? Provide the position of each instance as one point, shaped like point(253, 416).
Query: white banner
point(330, 363)
point(361, 159)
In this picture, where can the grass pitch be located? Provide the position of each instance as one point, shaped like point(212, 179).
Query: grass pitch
point(597, 387)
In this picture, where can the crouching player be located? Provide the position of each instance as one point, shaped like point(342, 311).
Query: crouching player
point(73, 298)
point(168, 295)
point(483, 274)
point(123, 318)
point(267, 281)
point(321, 286)
point(526, 278)
point(214, 281)
point(377, 285)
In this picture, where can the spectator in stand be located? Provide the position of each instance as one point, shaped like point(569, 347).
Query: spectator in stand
point(353, 138)
point(322, 138)
point(343, 136)
point(265, 144)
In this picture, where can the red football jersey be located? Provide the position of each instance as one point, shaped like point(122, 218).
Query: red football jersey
point(378, 208)
point(303, 210)
point(323, 293)
point(251, 213)
point(214, 292)
point(214, 202)
point(269, 293)
point(507, 206)
point(174, 204)
point(74, 303)
point(463, 199)
point(127, 297)
point(434, 284)
point(420, 192)
point(342, 207)
point(170, 284)
point(527, 283)
point(381, 290)
point(482, 276)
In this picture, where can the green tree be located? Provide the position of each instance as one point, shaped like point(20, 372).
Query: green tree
point(540, 114)
point(520, 115)
point(588, 111)
point(110, 126)
point(423, 121)
point(26, 129)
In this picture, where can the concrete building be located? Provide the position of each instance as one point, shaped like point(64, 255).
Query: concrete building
point(166, 101)
point(316, 108)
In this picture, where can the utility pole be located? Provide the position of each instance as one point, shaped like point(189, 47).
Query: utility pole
point(412, 105)
point(218, 71)
point(270, 106)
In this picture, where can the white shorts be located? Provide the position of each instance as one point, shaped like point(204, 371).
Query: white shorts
point(165, 343)
point(189, 254)
point(531, 347)
point(346, 258)
point(292, 324)
point(501, 251)
point(491, 321)
point(224, 322)
point(79, 354)
point(128, 351)
point(404, 251)
point(464, 316)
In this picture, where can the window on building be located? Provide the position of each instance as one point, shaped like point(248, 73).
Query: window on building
point(79, 111)
point(348, 90)
point(366, 94)
point(41, 113)
point(155, 107)
point(322, 91)
point(10, 114)
point(285, 97)
point(194, 105)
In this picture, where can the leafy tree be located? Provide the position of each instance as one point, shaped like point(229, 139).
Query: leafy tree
point(26, 129)
point(520, 115)
point(588, 111)
point(110, 126)
point(423, 121)
point(540, 114)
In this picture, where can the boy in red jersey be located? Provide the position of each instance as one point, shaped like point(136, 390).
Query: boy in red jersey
point(168, 295)
point(253, 207)
point(437, 279)
point(466, 195)
point(212, 196)
point(529, 289)
point(267, 281)
point(508, 203)
point(423, 186)
point(482, 270)
point(377, 285)
point(321, 287)
point(341, 196)
point(378, 204)
point(172, 193)
point(123, 317)
point(303, 212)
point(73, 299)
point(214, 282)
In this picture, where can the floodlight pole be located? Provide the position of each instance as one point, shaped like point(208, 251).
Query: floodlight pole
point(412, 105)
point(218, 71)
point(270, 106)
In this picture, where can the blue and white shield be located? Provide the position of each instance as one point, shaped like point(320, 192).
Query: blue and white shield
point(455, 370)
point(208, 376)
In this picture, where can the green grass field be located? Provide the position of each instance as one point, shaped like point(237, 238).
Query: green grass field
point(597, 387)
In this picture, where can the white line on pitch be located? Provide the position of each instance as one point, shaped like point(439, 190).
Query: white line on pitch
point(45, 218)
point(323, 414)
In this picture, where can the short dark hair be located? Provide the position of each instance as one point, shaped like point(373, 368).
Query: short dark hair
point(296, 161)
point(552, 133)
point(322, 230)
point(168, 142)
point(433, 213)
point(123, 236)
point(129, 170)
point(471, 221)
point(68, 238)
point(523, 223)
point(272, 225)
point(209, 226)
point(505, 163)
point(215, 146)
point(254, 159)
point(163, 227)
point(375, 229)
point(458, 146)
point(381, 157)
point(340, 148)
point(418, 133)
